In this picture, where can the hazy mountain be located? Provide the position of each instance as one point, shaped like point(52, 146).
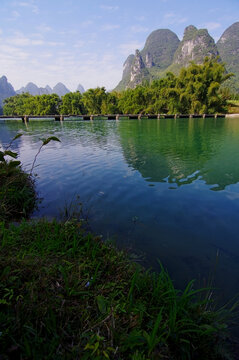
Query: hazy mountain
point(31, 88)
point(228, 46)
point(60, 89)
point(80, 88)
point(6, 90)
point(49, 89)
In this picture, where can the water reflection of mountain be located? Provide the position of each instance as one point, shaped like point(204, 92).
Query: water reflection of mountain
point(180, 151)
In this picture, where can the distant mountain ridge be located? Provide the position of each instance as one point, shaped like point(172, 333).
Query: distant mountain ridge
point(164, 52)
point(60, 89)
point(7, 90)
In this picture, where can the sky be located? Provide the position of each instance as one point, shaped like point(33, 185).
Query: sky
point(87, 41)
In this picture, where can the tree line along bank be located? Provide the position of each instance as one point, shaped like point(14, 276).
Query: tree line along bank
point(198, 89)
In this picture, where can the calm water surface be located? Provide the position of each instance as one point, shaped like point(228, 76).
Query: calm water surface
point(166, 189)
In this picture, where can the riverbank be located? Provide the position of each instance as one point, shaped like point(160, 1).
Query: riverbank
point(67, 294)
point(17, 194)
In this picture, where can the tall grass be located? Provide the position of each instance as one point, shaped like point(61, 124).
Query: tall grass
point(17, 192)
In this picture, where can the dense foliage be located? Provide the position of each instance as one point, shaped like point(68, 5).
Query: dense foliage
point(195, 90)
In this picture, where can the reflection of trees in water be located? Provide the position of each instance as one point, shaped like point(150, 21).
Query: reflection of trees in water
point(97, 133)
point(177, 151)
point(182, 150)
point(6, 135)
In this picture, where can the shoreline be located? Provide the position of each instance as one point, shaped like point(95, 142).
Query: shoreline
point(67, 293)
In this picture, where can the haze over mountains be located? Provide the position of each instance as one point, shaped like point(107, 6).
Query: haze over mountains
point(59, 89)
point(7, 90)
point(163, 52)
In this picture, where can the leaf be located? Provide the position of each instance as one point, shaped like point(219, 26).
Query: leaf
point(102, 305)
point(2, 156)
point(17, 136)
point(13, 164)
point(51, 138)
point(10, 153)
point(105, 354)
point(97, 344)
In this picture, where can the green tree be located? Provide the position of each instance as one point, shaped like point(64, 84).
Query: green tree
point(93, 100)
point(26, 104)
point(72, 103)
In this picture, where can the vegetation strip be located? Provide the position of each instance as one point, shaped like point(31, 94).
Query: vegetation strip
point(196, 90)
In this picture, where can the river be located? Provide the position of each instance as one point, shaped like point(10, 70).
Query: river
point(165, 189)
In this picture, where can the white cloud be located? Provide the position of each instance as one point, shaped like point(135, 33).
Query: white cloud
point(169, 15)
point(44, 28)
point(55, 43)
point(86, 23)
point(130, 47)
point(21, 40)
point(140, 18)
point(138, 29)
point(13, 52)
point(60, 66)
point(13, 16)
point(79, 44)
point(172, 18)
point(33, 7)
point(109, 8)
point(37, 42)
point(108, 27)
point(211, 25)
point(182, 20)
point(46, 55)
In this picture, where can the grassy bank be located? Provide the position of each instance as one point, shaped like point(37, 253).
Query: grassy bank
point(65, 294)
point(17, 193)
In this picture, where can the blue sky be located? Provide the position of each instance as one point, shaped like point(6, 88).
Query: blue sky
point(87, 41)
